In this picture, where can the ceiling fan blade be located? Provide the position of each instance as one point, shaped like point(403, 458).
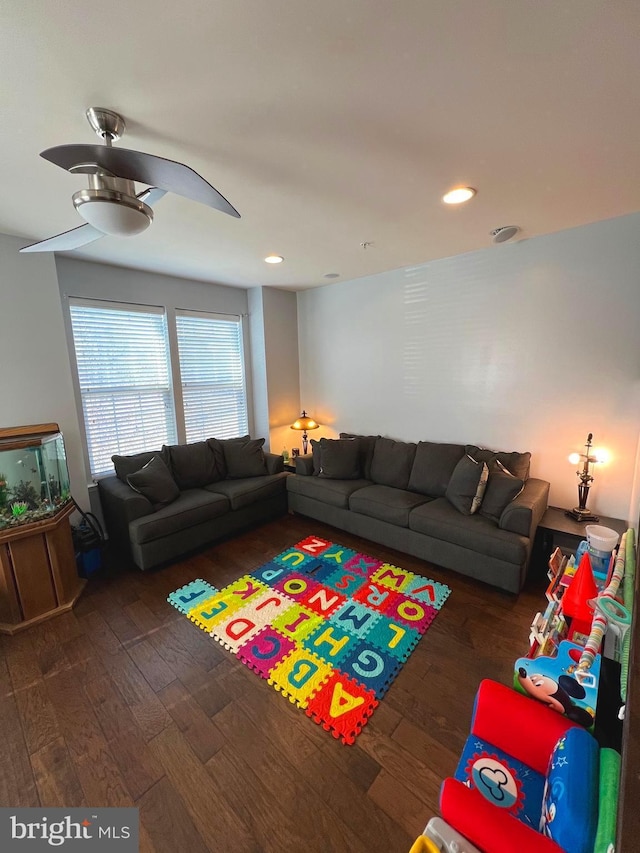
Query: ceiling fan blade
point(144, 168)
point(66, 241)
point(151, 196)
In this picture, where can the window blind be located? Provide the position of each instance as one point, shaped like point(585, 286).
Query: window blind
point(212, 376)
point(122, 358)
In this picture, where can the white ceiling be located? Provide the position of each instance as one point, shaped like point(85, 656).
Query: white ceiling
point(327, 124)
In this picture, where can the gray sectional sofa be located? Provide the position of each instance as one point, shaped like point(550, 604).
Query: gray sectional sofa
point(471, 510)
point(161, 505)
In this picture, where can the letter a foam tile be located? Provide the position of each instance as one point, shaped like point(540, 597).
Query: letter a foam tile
point(342, 706)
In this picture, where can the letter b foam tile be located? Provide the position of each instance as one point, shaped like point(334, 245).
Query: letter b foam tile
point(299, 676)
point(342, 707)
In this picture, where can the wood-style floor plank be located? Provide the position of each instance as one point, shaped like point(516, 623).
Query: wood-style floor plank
point(123, 701)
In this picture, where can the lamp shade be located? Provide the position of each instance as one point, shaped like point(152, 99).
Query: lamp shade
point(304, 423)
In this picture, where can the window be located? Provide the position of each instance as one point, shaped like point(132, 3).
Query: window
point(125, 378)
point(212, 375)
point(122, 356)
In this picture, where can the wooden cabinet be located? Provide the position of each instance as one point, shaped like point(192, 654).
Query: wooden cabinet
point(38, 577)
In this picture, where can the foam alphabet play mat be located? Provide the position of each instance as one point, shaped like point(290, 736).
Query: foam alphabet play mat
point(328, 627)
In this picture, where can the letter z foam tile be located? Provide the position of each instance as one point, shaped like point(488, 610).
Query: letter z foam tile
point(327, 627)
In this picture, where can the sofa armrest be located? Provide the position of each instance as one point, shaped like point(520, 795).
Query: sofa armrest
point(275, 463)
point(524, 513)
point(121, 505)
point(304, 465)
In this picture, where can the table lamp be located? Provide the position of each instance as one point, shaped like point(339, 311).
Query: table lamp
point(304, 423)
point(580, 512)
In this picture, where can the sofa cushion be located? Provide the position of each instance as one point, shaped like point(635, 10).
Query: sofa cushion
point(126, 465)
point(332, 492)
point(244, 458)
point(250, 489)
point(502, 488)
point(367, 446)
point(192, 465)
point(193, 506)
point(517, 463)
point(340, 458)
point(467, 485)
point(155, 482)
point(392, 462)
point(386, 503)
point(433, 466)
point(315, 453)
point(438, 518)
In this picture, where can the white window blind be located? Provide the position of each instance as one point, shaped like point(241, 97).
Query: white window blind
point(212, 375)
point(122, 357)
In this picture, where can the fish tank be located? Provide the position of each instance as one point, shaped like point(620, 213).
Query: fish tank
point(34, 478)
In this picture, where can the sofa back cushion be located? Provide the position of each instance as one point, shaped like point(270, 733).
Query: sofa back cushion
point(433, 466)
point(192, 465)
point(340, 458)
point(392, 462)
point(126, 465)
point(154, 482)
point(244, 458)
point(516, 463)
point(367, 446)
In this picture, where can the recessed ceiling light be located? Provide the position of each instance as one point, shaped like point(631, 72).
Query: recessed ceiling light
point(274, 259)
point(458, 195)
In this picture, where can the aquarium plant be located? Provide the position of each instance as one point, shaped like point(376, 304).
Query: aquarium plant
point(25, 493)
point(18, 508)
point(3, 490)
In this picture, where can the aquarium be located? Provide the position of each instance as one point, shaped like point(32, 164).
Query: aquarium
point(34, 479)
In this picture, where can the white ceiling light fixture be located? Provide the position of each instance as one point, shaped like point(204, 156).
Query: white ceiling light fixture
point(459, 195)
point(274, 259)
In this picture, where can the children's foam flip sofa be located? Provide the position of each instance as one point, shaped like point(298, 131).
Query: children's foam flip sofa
point(530, 780)
point(469, 509)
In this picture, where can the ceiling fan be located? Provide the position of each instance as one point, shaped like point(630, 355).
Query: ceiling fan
point(110, 204)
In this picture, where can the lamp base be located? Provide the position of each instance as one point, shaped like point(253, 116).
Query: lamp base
point(582, 514)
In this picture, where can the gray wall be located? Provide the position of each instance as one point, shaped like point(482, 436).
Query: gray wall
point(522, 346)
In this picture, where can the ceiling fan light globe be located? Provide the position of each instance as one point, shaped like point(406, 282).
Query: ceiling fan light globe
point(113, 213)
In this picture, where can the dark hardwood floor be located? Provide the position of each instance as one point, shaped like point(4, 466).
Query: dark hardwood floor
point(124, 702)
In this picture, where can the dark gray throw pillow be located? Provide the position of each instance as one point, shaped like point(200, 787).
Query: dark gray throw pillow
point(467, 485)
point(502, 488)
point(516, 463)
point(126, 465)
point(244, 458)
point(339, 458)
point(315, 451)
point(367, 446)
point(192, 465)
point(392, 462)
point(155, 482)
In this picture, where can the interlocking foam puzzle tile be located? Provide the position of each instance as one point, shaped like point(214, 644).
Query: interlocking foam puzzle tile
point(342, 706)
point(393, 577)
point(264, 651)
point(394, 638)
point(326, 626)
point(299, 676)
point(371, 667)
point(191, 594)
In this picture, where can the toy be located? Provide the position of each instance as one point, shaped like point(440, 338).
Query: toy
point(575, 602)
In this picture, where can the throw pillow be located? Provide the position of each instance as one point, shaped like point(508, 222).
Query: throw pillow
point(467, 485)
point(367, 446)
point(339, 458)
point(315, 450)
point(244, 458)
point(433, 466)
point(126, 465)
point(392, 462)
point(517, 463)
point(502, 488)
point(155, 482)
point(192, 465)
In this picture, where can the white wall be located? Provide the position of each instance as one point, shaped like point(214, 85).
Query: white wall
point(35, 380)
point(283, 374)
point(523, 346)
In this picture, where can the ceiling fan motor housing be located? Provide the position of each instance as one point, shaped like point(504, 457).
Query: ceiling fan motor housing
point(111, 206)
